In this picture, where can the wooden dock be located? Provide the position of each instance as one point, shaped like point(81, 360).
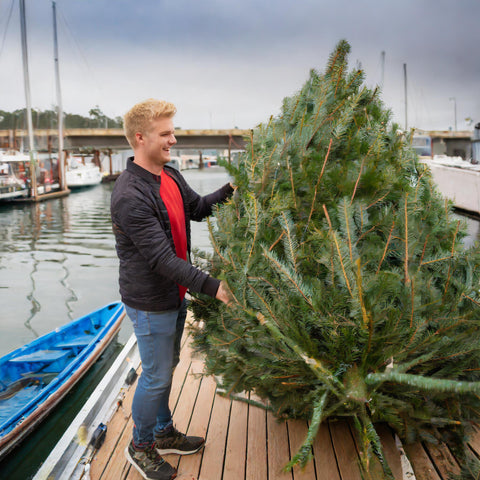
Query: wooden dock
point(245, 442)
point(242, 441)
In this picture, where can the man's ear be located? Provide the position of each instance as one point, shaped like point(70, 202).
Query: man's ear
point(139, 137)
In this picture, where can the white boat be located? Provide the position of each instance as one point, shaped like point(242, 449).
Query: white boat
point(175, 162)
point(81, 174)
point(13, 176)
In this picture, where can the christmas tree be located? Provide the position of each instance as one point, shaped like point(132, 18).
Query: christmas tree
point(352, 292)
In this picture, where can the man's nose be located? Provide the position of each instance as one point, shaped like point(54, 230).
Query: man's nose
point(172, 140)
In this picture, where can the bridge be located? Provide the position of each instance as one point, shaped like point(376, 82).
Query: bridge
point(92, 139)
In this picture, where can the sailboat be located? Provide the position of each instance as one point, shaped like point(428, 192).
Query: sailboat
point(37, 181)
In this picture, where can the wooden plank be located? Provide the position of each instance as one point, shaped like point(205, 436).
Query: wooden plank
point(214, 453)
point(345, 450)
point(443, 459)
point(278, 451)
point(256, 468)
point(187, 334)
point(116, 427)
point(297, 432)
point(421, 464)
point(325, 461)
point(118, 466)
point(390, 450)
point(189, 465)
point(234, 468)
point(184, 408)
point(474, 441)
point(186, 401)
point(180, 375)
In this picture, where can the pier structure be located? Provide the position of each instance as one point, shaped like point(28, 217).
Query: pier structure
point(441, 142)
point(81, 139)
point(447, 142)
point(460, 185)
point(110, 141)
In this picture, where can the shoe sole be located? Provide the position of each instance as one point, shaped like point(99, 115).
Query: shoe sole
point(139, 470)
point(166, 451)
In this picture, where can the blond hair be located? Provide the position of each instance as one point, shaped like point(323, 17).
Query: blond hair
point(139, 118)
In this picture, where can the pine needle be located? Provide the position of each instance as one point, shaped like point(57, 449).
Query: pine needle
point(338, 250)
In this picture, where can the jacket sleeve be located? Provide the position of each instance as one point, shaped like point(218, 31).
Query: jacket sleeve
point(201, 207)
point(137, 219)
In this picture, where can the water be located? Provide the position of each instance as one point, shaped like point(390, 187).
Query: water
point(58, 262)
point(473, 229)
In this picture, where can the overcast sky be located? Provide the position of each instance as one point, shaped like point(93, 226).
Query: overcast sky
point(228, 63)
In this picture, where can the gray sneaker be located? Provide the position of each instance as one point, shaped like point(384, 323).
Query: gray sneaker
point(173, 441)
point(149, 463)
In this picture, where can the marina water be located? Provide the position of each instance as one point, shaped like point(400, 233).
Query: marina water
point(58, 262)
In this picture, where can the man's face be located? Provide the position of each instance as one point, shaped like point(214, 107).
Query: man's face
point(157, 142)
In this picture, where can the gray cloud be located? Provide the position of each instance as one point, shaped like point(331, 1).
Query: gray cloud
point(226, 62)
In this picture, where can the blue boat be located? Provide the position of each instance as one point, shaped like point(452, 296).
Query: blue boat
point(35, 377)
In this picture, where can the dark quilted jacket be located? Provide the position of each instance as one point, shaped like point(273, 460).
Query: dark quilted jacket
point(150, 271)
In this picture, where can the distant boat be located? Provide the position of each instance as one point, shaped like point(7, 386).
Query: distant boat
point(16, 181)
point(175, 162)
point(35, 377)
point(80, 175)
point(13, 180)
point(210, 162)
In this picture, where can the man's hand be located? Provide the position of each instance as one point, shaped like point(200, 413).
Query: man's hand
point(224, 294)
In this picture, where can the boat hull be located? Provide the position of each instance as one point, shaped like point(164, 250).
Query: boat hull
point(69, 352)
point(83, 176)
point(9, 194)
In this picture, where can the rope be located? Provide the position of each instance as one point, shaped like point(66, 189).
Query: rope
point(6, 28)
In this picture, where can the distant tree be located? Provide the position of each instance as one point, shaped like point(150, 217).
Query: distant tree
point(49, 119)
point(45, 119)
point(73, 120)
point(12, 120)
point(98, 116)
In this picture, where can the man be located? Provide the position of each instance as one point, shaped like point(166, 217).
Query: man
point(151, 209)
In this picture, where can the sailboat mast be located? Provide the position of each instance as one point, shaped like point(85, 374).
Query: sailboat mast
point(405, 90)
point(382, 78)
point(61, 166)
point(26, 79)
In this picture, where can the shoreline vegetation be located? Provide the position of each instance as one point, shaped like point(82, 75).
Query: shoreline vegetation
point(49, 119)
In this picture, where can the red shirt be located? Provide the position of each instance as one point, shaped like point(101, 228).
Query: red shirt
point(173, 201)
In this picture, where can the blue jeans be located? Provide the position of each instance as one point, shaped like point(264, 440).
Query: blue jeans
point(158, 339)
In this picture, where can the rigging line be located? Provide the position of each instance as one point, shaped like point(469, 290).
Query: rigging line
point(6, 27)
point(80, 51)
